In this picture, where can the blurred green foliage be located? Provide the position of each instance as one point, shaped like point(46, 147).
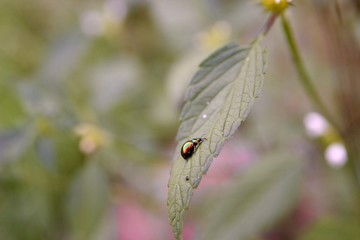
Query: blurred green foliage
point(90, 93)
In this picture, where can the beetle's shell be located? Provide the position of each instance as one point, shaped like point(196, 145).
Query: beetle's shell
point(189, 147)
point(187, 150)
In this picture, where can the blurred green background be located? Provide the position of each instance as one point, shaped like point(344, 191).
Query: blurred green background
point(90, 94)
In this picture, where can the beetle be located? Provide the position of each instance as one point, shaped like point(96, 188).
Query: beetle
point(190, 147)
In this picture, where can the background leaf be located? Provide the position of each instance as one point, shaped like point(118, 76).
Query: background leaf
point(333, 229)
point(13, 143)
point(46, 152)
point(254, 200)
point(88, 199)
point(219, 97)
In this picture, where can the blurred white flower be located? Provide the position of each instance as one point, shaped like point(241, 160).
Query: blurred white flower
point(335, 155)
point(105, 21)
point(91, 23)
point(115, 9)
point(315, 124)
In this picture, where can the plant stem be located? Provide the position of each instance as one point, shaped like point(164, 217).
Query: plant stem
point(303, 74)
point(269, 23)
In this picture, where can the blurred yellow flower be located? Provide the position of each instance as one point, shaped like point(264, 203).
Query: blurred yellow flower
point(218, 35)
point(91, 137)
point(275, 6)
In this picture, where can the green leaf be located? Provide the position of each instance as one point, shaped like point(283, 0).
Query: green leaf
point(45, 149)
point(333, 229)
point(219, 97)
point(12, 112)
point(255, 200)
point(26, 212)
point(14, 142)
point(87, 202)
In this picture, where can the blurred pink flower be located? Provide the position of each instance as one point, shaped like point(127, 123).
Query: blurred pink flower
point(315, 124)
point(336, 155)
point(135, 223)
